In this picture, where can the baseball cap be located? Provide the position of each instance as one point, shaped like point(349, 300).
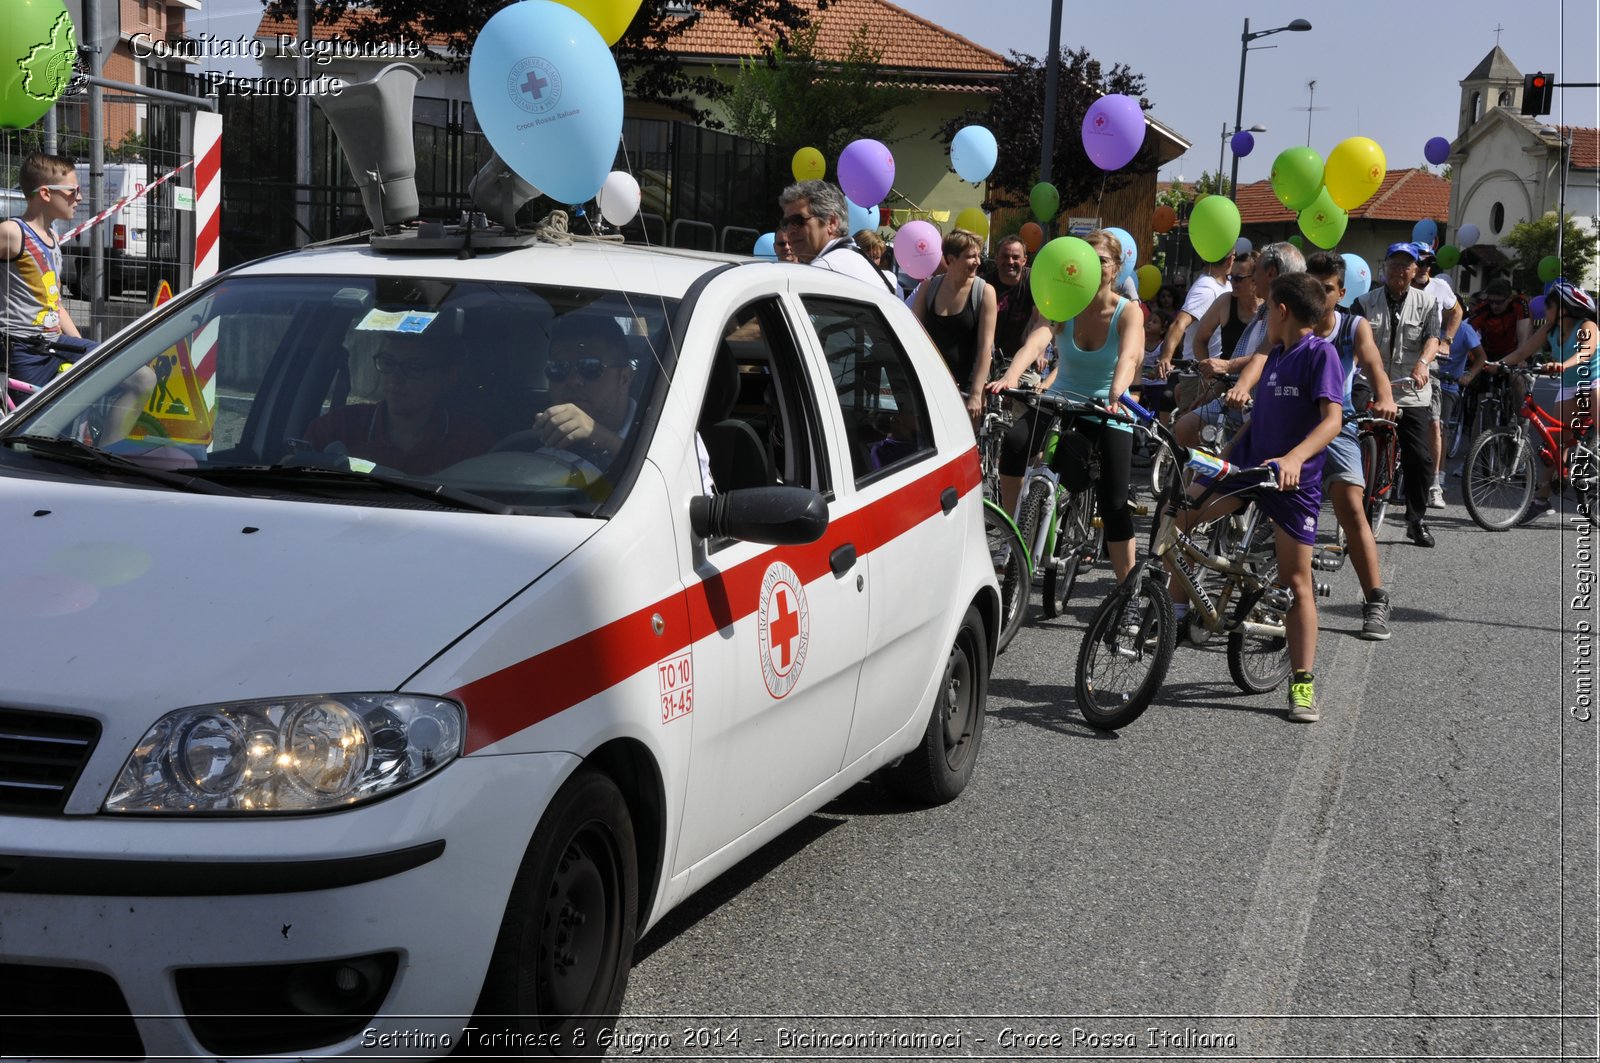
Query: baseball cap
point(1406, 248)
point(1424, 252)
point(1499, 286)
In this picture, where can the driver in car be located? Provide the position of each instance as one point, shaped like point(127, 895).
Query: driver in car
point(409, 428)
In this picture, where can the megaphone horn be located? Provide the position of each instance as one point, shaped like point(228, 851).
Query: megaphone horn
point(372, 121)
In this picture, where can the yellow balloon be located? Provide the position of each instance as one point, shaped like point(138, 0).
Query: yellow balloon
point(609, 17)
point(1354, 170)
point(808, 165)
point(1149, 281)
point(974, 221)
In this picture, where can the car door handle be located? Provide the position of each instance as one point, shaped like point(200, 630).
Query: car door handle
point(948, 499)
point(843, 559)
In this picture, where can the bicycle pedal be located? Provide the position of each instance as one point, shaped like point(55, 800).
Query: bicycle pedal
point(1321, 589)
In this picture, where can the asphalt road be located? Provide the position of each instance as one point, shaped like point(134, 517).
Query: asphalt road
point(1414, 875)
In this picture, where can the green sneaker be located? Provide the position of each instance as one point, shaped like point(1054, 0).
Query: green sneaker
point(1302, 699)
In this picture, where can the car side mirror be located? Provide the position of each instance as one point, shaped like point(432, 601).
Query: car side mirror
point(777, 516)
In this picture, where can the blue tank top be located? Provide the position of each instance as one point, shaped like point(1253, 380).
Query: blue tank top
point(1581, 374)
point(1086, 375)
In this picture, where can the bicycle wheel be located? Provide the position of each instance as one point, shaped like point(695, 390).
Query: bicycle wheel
point(1033, 524)
point(1119, 673)
point(1075, 539)
point(1011, 569)
point(1162, 471)
point(1258, 663)
point(1375, 497)
point(1497, 482)
point(1458, 430)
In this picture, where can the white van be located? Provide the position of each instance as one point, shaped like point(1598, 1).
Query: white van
point(126, 231)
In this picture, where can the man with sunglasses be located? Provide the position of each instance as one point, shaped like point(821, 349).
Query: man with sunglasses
point(31, 307)
point(816, 221)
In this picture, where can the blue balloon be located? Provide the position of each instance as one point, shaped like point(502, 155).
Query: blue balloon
point(764, 246)
point(1357, 278)
point(861, 217)
point(547, 94)
point(973, 152)
point(1130, 253)
point(1425, 231)
point(1436, 150)
point(1243, 143)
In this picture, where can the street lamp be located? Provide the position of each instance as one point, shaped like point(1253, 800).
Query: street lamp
point(1257, 128)
point(1299, 25)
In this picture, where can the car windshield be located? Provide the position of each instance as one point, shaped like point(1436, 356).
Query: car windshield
point(366, 389)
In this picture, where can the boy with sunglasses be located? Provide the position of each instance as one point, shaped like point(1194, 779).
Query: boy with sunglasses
point(30, 291)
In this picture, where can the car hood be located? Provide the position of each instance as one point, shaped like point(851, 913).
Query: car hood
point(134, 601)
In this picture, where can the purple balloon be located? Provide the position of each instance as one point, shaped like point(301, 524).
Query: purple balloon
point(1536, 307)
point(1113, 131)
point(866, 171)
point(1243, 143)
point(1436, 150)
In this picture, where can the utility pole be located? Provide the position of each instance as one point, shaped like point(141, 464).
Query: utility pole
point(302, 127)
point(1052, 73)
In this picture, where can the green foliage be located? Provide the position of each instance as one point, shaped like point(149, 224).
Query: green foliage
point(1211, 184)
point(1532, 240)
point(131, 148)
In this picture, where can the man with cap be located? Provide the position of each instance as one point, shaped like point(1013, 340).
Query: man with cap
point(1405, 327)
point(1450, 313)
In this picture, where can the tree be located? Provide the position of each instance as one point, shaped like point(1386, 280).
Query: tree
point(1015, 118)
point(1534, 240)
point(1211, 184)
point(648, 68)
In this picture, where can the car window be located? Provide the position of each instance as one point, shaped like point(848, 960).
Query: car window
point(527, 395)
point(886, 416)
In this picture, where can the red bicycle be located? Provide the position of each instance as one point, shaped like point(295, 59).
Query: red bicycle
point(1500, 474)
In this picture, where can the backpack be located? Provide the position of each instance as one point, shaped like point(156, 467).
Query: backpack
point(974, 298)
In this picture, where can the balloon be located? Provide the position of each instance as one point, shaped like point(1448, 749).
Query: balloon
point(1357, 278)
point(1324, 222)
point(1549, 268)
point(1298, 241)
point(1355, 170)
point(1130, 253)
point(974, 220)
point(1065, 278)
point(38, 45)
point(860, 218)
point(547, 94)
point(808, 165)
point(1536, 307)
point(1243, 246)
point(1045, 201)
point(766, 246)
point(918, 246)
point(1467, 235)
point(973, 153)
point(1242, 143)
point(1032, 236)
point(1425, 231)
point(1149, 281)
point(1449, 257)
point(1163, 219)
point(619, 198)
point(1113, 131)
point(1297, 177)
point(610, 18)
point(1436, 150)
point(1214, 227)
point(866, 171)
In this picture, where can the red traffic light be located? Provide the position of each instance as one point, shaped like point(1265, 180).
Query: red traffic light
point(1537, 91)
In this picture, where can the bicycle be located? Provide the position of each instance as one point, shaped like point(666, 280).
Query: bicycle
point(1122, 666)
point(1479, 411)
point(1006, 548)
point(1498, 478)
point(63, 349)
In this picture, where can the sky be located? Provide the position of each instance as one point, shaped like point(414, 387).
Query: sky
point(1397, 83)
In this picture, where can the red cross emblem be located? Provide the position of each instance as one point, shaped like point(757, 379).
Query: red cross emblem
point(1376, 173)
point(783, 628)
point(1070, 269)
point(1099, 121)
point(1322, 219)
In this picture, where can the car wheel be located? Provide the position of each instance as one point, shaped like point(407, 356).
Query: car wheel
point(940, 767)
point(561, 962)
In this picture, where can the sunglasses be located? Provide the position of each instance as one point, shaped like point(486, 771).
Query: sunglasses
point(588, 368)
point(1238, 277)
point(389, 365)
point(73, 192)
point(794, 221)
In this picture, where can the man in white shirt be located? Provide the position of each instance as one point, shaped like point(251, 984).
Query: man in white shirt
point(816, 220)
point(1448, 320)
point(1210, 284)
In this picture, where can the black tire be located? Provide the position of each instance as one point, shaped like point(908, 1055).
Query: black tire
point(1011, 570)
point(1076, 538)
point(940, 768)
point(1119, 674)
point(1258, 663)
point(1375, 500)
point(561, 962)
point(1497, 479)
point(1459, 428)
point(1034, 527)
point(1162, 471)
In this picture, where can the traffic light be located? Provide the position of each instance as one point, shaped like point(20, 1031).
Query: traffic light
point(1536, 92)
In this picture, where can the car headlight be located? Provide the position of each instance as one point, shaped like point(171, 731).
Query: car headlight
point(287, 755)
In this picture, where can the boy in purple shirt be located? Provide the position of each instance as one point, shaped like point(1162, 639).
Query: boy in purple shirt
point(1298, 410)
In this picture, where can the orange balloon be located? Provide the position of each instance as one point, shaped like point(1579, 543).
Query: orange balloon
point(1032, 236)
point(1164, 219)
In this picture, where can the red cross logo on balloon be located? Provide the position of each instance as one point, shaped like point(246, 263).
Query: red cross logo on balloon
point(1099, 121)
point(1070, 269)
point(1322, 218)
point(1376, 173)
point(783, 628)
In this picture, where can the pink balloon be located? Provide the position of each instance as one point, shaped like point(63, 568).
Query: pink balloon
point(1113, 131)
point(918, 247)
point(866, 171)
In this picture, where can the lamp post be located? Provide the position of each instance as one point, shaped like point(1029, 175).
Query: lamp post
point(1299, 25)
point(1257, 128)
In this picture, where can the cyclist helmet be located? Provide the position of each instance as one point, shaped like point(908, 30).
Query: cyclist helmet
point(1572, 296)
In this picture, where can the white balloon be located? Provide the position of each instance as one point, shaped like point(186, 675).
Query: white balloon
point(1467, 236)
point(619, 198)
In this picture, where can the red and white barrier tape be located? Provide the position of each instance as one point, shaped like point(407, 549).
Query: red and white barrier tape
point(125, 200)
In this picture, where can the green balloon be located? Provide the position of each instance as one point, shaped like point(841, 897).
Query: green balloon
point(1297, 240)
point(37, 48)
point(1214, 227)
point(1549, 268)
point(1297, 177)
point(1045, 200)
point(1324, 221)
point(1448, 256)
point(1064, 278)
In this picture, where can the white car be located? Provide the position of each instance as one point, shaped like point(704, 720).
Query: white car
point(330, 725)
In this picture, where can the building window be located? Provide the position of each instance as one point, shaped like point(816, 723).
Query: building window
point(1477, 106)
point(1497, 217)
point(1505, 97)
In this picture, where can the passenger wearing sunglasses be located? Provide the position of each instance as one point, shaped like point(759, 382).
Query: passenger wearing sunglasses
point(30, 291)
point(816, 221)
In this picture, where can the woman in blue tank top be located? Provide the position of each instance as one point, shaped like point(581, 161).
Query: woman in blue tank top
point(1101, 351)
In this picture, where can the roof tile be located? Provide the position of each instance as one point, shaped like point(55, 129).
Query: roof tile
point(1405, 195)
